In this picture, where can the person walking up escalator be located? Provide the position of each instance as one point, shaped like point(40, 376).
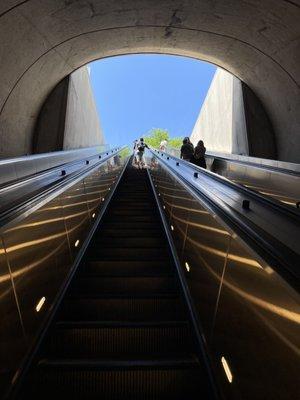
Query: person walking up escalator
point(141, 146)
point(135, 151)
point(199, 153)
point(187, 149)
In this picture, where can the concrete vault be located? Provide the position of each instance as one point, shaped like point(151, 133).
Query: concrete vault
point(42, 41)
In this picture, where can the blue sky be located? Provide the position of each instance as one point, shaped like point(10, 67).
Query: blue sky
point(135, 93)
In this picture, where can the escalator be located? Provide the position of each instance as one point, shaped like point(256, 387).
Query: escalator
point(123, 329)
point(118, 283)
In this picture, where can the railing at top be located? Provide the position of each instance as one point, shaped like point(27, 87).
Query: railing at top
point(282, 166)
point(16, 193)
point(19, 167)
point(271, 178)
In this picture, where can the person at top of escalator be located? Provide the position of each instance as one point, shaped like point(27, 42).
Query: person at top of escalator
point(199, 155)
point(187, 149)
point(163, 145)
point(135, 151)
point(141, 146)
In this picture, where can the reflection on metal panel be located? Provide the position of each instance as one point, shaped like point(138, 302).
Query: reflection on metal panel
point(267, 177)
point(36, 257)
point(12, 339)
point(249, 315)
point(263, 315)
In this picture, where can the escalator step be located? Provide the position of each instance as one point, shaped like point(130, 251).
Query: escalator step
point(129, 309)
point(126, 203)
point(128, 268)
point(116, 225)
point(143, 242)
point(95, 340)
point(130, 285)
point(135, 232)
point(129, 254)
point(124, 211)
point(156, 380)
point(132, 218)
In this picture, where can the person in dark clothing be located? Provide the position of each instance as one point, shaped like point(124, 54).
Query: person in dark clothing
point(187, 149)
point(188, 139)
point(199, 153)
point(141, 146)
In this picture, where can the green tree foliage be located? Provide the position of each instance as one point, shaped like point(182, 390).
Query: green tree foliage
point(125, 152)
point(156, 135)
point(175, 142)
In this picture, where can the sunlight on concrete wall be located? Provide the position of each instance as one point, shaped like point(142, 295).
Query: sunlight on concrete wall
point(82, 126)
point(221, 121)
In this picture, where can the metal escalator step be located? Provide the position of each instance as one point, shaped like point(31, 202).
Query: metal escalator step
point(145, 225)
point(124, 211)
point(128, 268)
point(129, 285)
point(149, 295)
point(125, 203)
point(85, 339)
point(132, 218)
point(135, 196)
point(134, 380)
point(134, 232)
point(144, 242)
point(135, 200)
point(129, 309)
point(129, 254)
point(176, 361)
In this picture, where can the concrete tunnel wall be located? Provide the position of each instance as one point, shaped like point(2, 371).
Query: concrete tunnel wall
point(68, 118)
point(218, 125)
point(232, 120)
point(43, 42)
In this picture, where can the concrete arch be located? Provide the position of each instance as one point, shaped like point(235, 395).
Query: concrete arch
point(43, 41)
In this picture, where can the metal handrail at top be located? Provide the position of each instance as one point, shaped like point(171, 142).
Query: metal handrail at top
point(276, 205)
point(278, 166)
point(13, 169)
point(280, 185)
point(45, 170)
point(273, 227)
point(49, 191)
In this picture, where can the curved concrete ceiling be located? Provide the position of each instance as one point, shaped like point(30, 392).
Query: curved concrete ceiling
point(43, 41)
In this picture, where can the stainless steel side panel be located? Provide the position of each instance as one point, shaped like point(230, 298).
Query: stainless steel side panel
point(276, 179)
point(37, 253)
point(250, 317)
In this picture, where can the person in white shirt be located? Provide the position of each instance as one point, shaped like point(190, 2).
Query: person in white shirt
point(141, 146)
point(163, 145)
point(135, 152)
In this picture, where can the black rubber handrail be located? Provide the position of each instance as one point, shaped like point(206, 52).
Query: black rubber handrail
point(276, 205)
point(252, 164)
point(23, 208)
point(48, 171)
